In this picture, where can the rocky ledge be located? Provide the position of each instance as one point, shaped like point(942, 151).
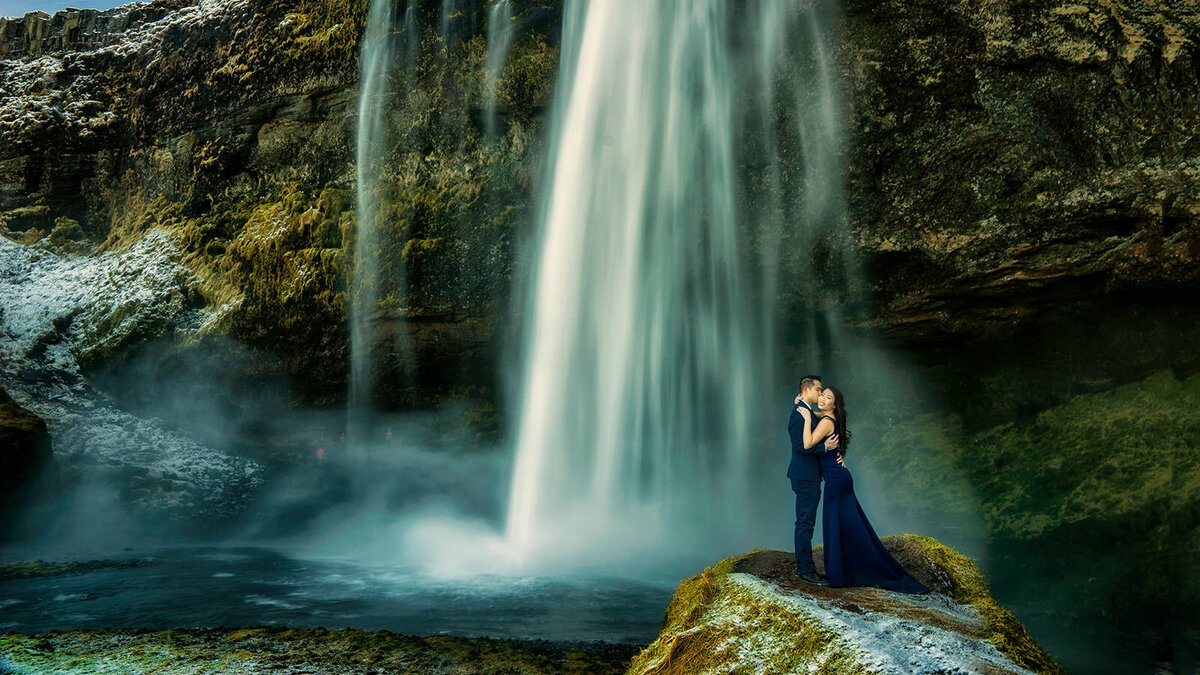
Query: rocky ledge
point(750, 614)
point(257, 650)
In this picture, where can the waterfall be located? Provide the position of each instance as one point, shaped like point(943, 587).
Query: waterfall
point(638, 361)
point(811, 88)
point(649, 373)
point(375, 64)
point(500, 31)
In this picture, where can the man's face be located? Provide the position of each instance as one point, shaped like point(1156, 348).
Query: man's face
point(810, 394)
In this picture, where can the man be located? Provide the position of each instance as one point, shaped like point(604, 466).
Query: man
point(805, 474)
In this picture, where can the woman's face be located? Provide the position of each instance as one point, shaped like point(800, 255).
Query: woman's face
point(825, 400)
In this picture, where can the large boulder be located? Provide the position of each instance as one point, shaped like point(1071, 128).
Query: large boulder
point(750, 614)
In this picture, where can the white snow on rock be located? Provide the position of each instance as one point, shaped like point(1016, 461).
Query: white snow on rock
point(52, 87)
point(54, 309)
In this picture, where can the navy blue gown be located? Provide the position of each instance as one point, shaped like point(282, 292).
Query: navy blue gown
point(854, 556)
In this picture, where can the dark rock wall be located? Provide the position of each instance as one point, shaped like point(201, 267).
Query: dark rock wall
point(25, 451)
point(1012, 157)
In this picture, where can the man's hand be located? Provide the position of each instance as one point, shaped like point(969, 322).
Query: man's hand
point(839, 460)
point(831, 443)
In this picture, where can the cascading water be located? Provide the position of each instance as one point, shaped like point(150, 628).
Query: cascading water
point(812, 87)
point(375, 65)
point(690, 170)
point(638, 363)
point(500, 31)
point(649, 379)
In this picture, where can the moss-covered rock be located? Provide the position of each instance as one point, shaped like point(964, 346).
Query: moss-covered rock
point(1104, 489)
point(241, 136)
point(42, 568)
point(750, 613)
point(256, 650)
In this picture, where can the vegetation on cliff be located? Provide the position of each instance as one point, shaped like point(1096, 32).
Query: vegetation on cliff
point(1079, 487)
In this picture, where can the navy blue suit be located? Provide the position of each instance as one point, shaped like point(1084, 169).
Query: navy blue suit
point(805, 472)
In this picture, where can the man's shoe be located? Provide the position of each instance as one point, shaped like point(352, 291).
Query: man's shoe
point(812, 578)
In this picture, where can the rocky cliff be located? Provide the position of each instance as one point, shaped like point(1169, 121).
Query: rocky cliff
point(231, 124)
point(1009, 158)
point(1010, 164)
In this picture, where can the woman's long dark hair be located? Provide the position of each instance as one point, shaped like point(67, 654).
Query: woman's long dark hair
point(839, 414)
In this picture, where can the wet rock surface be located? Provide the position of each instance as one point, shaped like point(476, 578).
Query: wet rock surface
point(1005, 164)
point(1012, 158)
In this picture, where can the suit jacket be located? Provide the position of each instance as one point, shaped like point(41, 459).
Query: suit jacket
point(805, 464)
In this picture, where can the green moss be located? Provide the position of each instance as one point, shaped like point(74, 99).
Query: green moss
point(526, 83)
point(41, 568)
point(265, 649)
point(1098, 494)
point(712, 623)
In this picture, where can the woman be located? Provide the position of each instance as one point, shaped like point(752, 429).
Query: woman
point(854, 556)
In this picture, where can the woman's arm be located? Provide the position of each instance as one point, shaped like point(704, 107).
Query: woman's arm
point(814, 436)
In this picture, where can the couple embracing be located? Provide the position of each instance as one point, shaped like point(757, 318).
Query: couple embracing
point(854, 556)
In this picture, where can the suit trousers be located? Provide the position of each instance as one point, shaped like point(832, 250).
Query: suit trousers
point(808, 495)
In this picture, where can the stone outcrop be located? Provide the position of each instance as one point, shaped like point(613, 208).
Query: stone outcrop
point(231, 122)
point(38, 33)
point(60, 311)
point(750, 614)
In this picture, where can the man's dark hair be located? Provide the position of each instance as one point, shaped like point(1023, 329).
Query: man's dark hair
point(808, 381)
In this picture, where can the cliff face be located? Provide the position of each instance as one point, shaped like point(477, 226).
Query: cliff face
point(749, 613)
point(39, 33)
point(231, 122)
point(1010, 158)
point(1008, 163)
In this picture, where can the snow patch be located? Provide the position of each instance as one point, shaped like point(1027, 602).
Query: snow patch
point(55, 308)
